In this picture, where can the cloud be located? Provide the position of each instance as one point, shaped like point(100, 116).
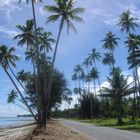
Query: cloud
point(10, 33)
point(8, 6)
point(134, 10)
point(110, 14)
point(42, 12)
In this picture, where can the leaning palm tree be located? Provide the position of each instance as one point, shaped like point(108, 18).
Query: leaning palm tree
point(118, 89)
point(127, 22)
point(65, 12)
point(6, 58)
point(110, 43)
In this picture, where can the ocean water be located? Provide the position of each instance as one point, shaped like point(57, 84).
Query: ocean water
point(14, 121)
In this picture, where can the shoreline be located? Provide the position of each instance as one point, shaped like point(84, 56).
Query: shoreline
point(18, 132)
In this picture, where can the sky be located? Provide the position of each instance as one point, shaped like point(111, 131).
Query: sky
point(100, 17)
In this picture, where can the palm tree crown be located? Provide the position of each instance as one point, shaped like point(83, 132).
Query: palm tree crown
point(7, 57)
point(27, 34)
point(46, 41)
point(64, 11)
point(127, 22)
point(110, 42)
point(94, 55)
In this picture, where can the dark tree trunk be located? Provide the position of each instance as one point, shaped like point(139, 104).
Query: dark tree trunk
point(22, 97)
point(39, 93)
point(52, 66)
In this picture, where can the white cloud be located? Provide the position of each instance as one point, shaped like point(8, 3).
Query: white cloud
point(41, 11)
point(10, 33)
point(8, 6)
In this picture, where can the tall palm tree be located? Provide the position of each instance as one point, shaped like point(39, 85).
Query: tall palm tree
point(133, 44)
point(30, 55)
point(94, 75)
point(74, 78)
point(79, 72)
point(45, 42)
point(65, 12)
point(127, 22)
point(119, 88)
point(93, 57)
point(87, 63)
point(6, 58)
point(27, 34)
point(109, 60)
point(40, 125)
point(110, 43)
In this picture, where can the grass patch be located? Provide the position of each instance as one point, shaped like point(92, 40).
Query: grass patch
point(129, 125)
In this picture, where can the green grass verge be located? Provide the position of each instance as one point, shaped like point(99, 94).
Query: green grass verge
point(129, 125)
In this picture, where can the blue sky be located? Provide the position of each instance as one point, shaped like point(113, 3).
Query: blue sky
point(100, 17)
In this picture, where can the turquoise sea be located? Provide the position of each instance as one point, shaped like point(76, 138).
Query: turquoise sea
point(14, 121)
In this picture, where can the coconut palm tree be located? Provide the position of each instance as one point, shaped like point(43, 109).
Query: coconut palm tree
point(40, 124)
point(27, 34)
point(78, 70)
point(45, 42)
point(93, 57)
point(110, 43)
point(65, 12)
point(6, 58)
point(118, 89)
point(87, 63)
point(133, 44)
point(127, 22)
point(108, 59)
point(94, 75)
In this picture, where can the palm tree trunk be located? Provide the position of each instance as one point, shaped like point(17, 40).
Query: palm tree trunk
point(137, 77)
point(22, 97)
point(91, 107)
point(44, 118)
point(94, 88)
point(52, 66)
point(17, 79)
point(134, 99)
point(79, 89)
point(40, 111)
point(98, 79)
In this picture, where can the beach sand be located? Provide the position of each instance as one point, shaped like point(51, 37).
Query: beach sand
point(16, 133)
point(55, 131)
